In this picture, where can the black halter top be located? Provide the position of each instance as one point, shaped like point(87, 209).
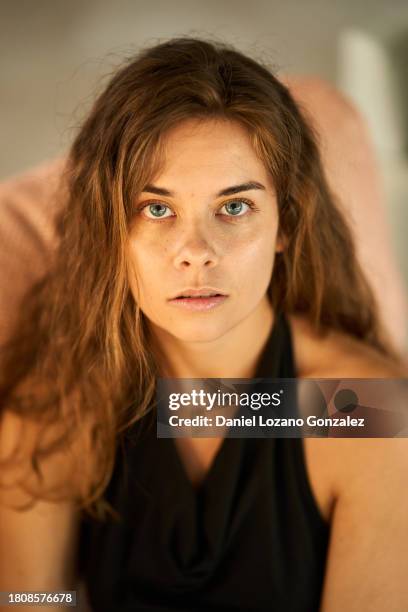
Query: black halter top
point(250, 537)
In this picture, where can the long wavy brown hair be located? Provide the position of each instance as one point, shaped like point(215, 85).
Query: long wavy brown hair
point(79, 365)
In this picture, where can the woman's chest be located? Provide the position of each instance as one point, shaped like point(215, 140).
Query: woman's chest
point(197, 455)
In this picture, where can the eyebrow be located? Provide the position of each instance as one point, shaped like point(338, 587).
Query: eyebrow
point(250, 185)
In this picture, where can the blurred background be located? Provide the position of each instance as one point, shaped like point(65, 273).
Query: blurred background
point(55, 55)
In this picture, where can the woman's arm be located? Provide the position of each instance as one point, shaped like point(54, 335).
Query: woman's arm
point(38, 547)
point(367, 565)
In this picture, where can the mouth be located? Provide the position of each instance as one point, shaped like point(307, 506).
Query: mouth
point(199, 299)
point(197, 296)
point(202, 292)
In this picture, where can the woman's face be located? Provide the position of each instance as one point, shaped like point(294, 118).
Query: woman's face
point(208, 222)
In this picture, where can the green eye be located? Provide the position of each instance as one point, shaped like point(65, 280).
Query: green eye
point(233, 208)
point(236, 207)
point(158, 210)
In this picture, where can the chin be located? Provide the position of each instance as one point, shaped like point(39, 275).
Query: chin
point(198, 330)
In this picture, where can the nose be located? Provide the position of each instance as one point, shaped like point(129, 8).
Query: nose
point(195, 250)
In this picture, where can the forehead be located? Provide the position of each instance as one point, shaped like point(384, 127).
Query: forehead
point(209, 152)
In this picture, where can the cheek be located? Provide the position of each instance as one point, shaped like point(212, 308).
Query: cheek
point(251, 255)
point(145, 261)
point(146, 254)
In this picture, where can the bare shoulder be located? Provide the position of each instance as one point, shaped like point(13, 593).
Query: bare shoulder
point(331, 462)
point(368, 525)
point(337, 355)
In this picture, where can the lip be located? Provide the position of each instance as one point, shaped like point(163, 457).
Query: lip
point(197, 292)
point(199, 303)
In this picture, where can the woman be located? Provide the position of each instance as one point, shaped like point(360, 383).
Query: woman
point(199, 240)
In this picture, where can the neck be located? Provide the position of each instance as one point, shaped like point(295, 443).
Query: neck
point(233, 355)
